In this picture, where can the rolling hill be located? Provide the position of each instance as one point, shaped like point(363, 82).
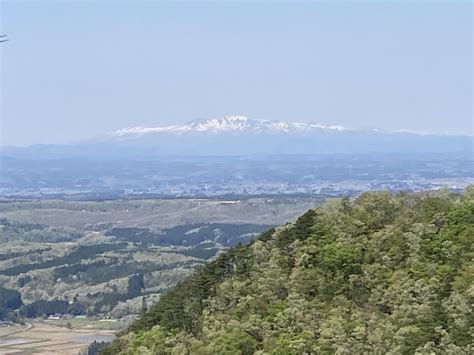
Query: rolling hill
point(383, 274)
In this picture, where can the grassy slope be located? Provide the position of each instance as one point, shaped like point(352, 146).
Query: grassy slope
point(384, 274)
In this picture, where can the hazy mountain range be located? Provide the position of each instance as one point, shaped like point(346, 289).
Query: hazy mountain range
point(227, 124)
point(237, 135)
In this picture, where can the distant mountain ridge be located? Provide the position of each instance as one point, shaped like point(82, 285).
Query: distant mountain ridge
point(239, 135)
point(230, 124)
point(243, 124)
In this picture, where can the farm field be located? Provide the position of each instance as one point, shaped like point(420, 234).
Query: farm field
point(43, 337)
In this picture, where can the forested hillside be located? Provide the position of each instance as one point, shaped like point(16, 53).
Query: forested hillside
point(382, 274)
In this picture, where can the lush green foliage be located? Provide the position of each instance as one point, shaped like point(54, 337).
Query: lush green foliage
point(384, 274)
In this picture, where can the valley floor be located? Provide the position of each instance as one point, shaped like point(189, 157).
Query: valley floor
point(43, 337)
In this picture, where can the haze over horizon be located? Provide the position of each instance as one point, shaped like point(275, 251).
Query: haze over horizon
point(73, 71)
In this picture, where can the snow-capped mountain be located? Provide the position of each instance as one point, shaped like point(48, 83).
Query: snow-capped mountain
point(238, 135)
point(230, 124)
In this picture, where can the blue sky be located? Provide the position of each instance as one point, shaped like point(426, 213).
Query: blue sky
point(76, 70)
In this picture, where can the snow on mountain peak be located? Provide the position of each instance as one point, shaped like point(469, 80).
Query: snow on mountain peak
point(228, 124)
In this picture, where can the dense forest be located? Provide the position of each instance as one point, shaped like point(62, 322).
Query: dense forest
point(382, 274)
point(76, 255)
point(9, 301)
point(191, 234)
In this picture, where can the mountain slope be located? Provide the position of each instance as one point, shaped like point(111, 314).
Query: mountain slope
point(237, 135)
point(230, 124)
point(386, 274)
